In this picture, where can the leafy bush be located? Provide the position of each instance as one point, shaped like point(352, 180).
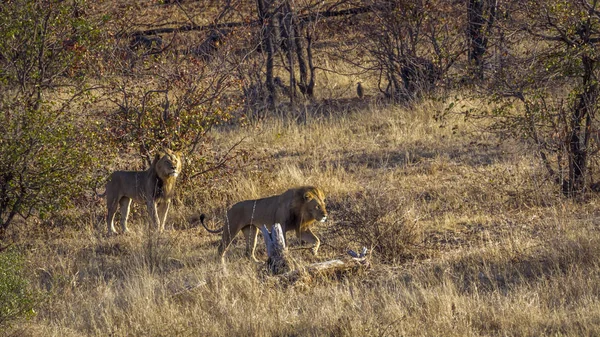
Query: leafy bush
point(44, 141)
point(16, 299)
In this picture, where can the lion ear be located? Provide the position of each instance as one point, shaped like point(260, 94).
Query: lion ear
point(156, 159)
point(307, 196)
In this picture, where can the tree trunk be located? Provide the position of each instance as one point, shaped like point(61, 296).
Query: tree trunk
point(289, 30)
point(303, 84)
point(581, 120)
point(311, 82)
point(481, 15)
point(266, 17)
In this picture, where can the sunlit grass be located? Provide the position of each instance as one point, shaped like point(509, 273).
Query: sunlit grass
point(494, 250)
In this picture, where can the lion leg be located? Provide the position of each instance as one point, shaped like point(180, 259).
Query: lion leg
point(111, 206)
point(309, 237)
point(163, 209)
point(153, 213)
point(125, 204)
point(226, 240)
point(251, 232)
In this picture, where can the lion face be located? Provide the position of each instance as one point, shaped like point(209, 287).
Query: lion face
point(169, 165)
point(315, 206)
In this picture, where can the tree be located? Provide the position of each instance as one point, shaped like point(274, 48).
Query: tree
point(42, 141)
point(411, 44)
point(481, 15)
point(172, 96)
point(553, 56)
point(287, 34)
point(297, 40)
point(266, 12)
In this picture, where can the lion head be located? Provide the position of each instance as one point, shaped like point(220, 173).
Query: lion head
point(310, 203)
point(167, 166)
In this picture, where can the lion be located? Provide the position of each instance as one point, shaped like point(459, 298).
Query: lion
point(296, 209)
point(155, 187)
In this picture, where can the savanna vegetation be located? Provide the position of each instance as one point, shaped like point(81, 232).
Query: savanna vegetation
point(456, 140)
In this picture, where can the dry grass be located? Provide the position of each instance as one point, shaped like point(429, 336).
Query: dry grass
point(468, 239)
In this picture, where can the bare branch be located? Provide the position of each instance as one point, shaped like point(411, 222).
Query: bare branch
point(221, 163)
point(194, 27)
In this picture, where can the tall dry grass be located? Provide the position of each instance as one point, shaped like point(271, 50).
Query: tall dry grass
point(467, 239)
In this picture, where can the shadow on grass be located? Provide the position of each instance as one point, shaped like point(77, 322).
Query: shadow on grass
point(474, 155)
point(503, 271)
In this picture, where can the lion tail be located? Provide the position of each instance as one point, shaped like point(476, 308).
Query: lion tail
point(214, 231)
point(98, 194)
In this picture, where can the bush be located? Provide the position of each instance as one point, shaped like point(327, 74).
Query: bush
point(377, 221)
point(44, 141)
point(16, 299)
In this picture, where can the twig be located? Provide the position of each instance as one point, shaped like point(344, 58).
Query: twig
point(222, 162)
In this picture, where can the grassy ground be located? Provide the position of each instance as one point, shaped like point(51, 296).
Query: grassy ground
point(466, 237)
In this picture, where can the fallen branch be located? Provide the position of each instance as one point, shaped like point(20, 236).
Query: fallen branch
point(278, 263)
point(193, 27)
point(333, 266)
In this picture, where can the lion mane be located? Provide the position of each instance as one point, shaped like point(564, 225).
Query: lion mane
point(154, 187)
point(296, 209)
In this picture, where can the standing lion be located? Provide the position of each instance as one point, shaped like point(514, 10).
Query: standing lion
point(296, 209)
point(154, 187)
